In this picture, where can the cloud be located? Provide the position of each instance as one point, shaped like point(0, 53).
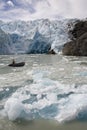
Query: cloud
point(78, 8)
point(36, 9)
point(10, 3)
point(1, 5)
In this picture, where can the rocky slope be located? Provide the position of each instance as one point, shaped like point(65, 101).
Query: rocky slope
point(78, 44)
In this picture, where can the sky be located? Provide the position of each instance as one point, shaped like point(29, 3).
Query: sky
point(37, 9)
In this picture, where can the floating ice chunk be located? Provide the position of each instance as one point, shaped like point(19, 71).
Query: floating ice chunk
point(52, 97)
point(14, 109)
point(72, 107)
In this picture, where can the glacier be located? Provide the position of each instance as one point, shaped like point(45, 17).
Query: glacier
point(6, 45)
point(32, 37)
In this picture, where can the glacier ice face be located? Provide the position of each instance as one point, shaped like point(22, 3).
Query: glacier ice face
point(39, 44)
point(6, 46)
point(33, 36)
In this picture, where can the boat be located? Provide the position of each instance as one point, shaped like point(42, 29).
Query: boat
point(20, 64)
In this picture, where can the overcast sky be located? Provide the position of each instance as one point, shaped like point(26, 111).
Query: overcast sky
point(36, 9)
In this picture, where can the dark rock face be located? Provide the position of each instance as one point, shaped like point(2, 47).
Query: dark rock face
point(51, 51)
point(70, 49)
point(79, 29)
point(78, 45)
point(82, 44)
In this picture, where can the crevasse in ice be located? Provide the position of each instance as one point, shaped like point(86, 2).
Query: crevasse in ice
point(23, 36)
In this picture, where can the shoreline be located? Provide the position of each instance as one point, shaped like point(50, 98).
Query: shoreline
point(42, 125)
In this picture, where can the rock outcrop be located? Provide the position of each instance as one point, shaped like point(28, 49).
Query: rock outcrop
point(51, 51)
point(78, 44)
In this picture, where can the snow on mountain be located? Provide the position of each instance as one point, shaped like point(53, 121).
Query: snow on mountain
point(31, 35)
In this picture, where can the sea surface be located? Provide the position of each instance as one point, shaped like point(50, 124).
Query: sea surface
point(49, 92)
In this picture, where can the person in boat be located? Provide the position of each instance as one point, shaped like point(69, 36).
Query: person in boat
point(13, 62)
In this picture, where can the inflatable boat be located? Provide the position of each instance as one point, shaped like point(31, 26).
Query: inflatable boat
point(20, 64)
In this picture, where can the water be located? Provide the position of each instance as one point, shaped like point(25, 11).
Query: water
point(48, 87)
